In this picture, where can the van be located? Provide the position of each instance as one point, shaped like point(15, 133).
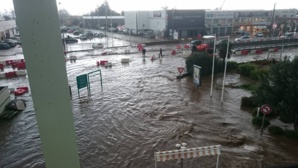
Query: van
point(260, 29)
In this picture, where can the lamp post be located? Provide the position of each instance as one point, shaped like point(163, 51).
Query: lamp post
point(181, 146)
point(273, 20)
point(225, 70)
point(214, 52)
point(61, 25)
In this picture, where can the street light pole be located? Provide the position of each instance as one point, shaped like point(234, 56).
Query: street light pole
point(225, 70)
point(282, 49)
point(273, 20)
point(61, 25)
point(214, 52)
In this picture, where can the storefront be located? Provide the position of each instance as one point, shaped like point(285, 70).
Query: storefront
point(219, 22)
point(188, 24)
point(248, 20)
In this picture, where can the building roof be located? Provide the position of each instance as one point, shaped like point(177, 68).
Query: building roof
point(6, 25)
point(103, 17)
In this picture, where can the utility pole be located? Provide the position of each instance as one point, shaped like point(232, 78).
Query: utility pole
point(273, 20)
point(61, 25)
point(98, 18)
point(106, 3)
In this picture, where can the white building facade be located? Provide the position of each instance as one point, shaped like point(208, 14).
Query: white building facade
point(138, 20)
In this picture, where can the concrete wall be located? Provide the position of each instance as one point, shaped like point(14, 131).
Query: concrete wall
point(130, 19)
point(143, 20)
point(157, 20)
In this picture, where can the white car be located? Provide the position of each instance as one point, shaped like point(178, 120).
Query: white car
point(243, 38)
point(259, 34)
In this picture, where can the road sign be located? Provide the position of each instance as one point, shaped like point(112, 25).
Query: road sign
point(82, 81)
point(266, 109)
point(197, 75)
point(180, 69)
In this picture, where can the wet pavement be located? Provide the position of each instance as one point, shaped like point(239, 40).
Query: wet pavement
point(142, 109)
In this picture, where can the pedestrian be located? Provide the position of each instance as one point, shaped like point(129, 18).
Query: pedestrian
point(143, 52)
point(160, 53)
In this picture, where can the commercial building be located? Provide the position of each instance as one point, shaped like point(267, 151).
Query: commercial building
point(7, 29)
point(185, 23)
point(153, 20)
point(95, 22)
point(176, 24)
point(226, 22)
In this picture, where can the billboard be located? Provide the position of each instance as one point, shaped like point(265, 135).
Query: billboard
point(179, 19)
point(156, 13)
point(197, 75)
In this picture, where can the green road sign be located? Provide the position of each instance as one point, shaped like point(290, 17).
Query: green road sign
point(82, 81)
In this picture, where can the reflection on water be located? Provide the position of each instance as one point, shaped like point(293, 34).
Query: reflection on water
point(142, 109)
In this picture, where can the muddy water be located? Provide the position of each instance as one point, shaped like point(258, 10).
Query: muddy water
point(143, 109)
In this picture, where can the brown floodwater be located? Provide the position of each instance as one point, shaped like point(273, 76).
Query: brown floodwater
point(143, 109)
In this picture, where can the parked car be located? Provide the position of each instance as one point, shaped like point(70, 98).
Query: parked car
point(239, 31)
point(133, 31)
point(289, 35)
point(69, 39)
point(195, 43)
point(11, 43)
point(126, 31)
point(4, 46)
point(99, 35)
point(97, 45)
point(76, 33)
point(83, 37)
point(243, 38)
point(17, 39)
point(89, 34)
point(259, 34)
point(112, 29)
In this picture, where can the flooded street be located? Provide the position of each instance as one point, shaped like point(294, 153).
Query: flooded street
point(143, 109)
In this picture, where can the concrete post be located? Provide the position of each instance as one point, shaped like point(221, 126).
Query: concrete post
point(38, 23)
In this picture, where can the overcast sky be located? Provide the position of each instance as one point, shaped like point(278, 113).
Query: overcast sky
point(78, 7)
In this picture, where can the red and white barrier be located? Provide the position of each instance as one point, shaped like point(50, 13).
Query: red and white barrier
point(13, 74)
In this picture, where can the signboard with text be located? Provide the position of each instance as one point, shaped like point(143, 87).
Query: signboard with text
point(197, 75)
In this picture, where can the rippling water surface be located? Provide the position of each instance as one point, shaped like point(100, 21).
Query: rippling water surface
point(142, 109)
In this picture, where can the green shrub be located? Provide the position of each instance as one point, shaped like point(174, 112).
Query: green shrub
point(250, 87)
point(257, 121)
point(275, 130)
point(257, 73)
point(247, 102)
point(245, 69)
point(291, 134)
point(205, 62)
point(232, 65)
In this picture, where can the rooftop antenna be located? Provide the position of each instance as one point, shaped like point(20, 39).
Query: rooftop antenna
point(222, 5)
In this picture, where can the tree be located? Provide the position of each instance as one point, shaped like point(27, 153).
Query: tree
point(101, 11)
point(63, 13)
point(222, 48)
point(279, 88)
